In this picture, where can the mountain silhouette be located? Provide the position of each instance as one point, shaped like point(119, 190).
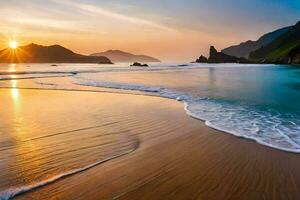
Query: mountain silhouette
point(122, 56)
point(34, 53)
point(245, 48)
point(284, 49)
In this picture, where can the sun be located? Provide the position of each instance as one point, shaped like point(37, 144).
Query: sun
point(13, 44)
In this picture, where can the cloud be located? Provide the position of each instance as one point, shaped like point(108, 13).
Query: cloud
point(114, 15)
point(51, 23)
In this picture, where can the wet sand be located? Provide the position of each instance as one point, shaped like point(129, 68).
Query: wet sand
point(178, 157)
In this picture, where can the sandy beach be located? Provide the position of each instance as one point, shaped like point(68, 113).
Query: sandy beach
point(149, 100)
point(177, 157)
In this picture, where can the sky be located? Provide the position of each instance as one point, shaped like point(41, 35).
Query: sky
point(171, 30)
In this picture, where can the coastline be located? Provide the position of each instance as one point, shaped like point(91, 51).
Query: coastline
point(179, 157)
point(164, 84)
point(153, 100)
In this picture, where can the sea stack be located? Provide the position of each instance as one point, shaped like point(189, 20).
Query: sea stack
point(219, 57)
point(202, 59)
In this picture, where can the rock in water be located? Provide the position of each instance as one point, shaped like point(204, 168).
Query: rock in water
point(202, 59)
point(137, 64)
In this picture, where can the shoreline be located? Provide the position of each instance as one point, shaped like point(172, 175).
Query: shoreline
point(187, 100)
point(208, 124)
point(194, 152)
point(178, 157)
point(153, 94)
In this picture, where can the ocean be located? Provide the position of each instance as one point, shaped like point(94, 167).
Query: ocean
point(257, 102)
point(41, 141)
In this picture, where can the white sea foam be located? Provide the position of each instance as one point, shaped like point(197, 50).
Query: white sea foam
point(266, 128)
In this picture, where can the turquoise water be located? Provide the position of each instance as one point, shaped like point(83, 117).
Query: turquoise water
point(268, 87)
point(257, 102)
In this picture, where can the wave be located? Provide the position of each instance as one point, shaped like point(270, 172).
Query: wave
point(73, 70)
point(269, 128)
point(64, 70)
point(12, 192)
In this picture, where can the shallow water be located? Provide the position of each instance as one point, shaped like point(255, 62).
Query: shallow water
point(259, 102)
point(41, 137)
point(41, 131)
point(42, 134)
point(256, 102)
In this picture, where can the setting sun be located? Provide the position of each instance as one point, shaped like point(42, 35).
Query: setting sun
point(13, 44)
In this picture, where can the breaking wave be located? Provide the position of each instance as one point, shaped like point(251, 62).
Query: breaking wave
point(267, 127)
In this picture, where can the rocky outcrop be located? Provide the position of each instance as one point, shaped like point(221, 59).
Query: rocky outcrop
point(202, 59)
point(137, 64)
point(219, 57)
point(279, 47)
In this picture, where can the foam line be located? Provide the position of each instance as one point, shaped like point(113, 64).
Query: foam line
point(12, 192)
point(232, 119)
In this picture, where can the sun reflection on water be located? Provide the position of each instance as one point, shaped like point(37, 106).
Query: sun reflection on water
point(12, 68)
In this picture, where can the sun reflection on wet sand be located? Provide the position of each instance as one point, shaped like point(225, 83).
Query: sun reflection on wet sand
point(21, 128)
point(14, 90)
point(15, 94)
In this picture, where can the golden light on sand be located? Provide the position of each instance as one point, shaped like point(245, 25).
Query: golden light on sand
point(13, 44)
point(15, 94)
point(14, 89)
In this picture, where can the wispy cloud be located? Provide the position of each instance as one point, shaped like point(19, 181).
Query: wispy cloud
point(51, 23)
point(114, 15)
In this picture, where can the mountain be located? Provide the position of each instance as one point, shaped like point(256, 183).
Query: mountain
point(244, 49)
point(284, 49)
point(121, 56)
point(34, 53)
point(219, 57)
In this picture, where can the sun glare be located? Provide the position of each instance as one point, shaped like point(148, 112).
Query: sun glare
point(13, 44)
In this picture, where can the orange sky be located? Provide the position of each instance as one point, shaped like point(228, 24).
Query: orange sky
point(161, 29)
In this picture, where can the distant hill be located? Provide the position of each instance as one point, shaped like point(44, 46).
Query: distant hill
point(284, 49)
point(121, 56)
point(34, 53)
point(244, 49)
